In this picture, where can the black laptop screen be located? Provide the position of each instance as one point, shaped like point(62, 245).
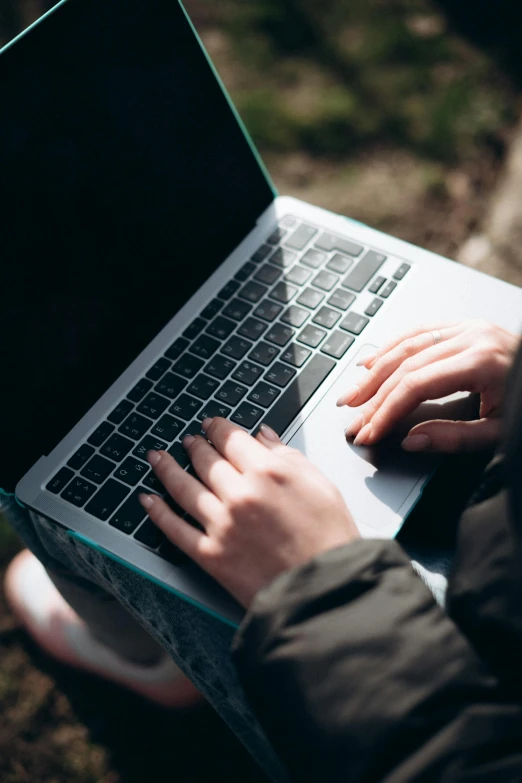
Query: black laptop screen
point(125, 180)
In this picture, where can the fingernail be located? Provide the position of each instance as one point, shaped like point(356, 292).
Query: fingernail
point(363, 435)
point(205, 424)
point(268, 433)
point(187, 441)
point(365, 359)
point(153, 457)
point(416, 442)
point(145, 500)
point(348, 396)
point(354, 426)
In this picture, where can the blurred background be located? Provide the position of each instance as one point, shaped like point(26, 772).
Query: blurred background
point(404, 114)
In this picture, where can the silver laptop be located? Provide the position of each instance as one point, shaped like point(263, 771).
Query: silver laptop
point(151, 276)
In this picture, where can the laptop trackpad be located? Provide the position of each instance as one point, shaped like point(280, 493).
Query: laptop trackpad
point(375, 481)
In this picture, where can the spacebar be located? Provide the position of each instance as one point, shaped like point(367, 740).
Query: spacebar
point(295, 397)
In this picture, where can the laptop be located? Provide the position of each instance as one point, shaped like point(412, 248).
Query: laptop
point(152, 276)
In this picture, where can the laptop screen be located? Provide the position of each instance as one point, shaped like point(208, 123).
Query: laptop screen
point(125, 180)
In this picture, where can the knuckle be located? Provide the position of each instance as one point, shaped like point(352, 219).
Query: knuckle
point(243, 500)
point(410, 382)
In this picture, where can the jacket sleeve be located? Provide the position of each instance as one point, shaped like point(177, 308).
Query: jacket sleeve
point(357, 675)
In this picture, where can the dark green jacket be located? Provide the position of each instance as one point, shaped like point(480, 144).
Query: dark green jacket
point(357, 675)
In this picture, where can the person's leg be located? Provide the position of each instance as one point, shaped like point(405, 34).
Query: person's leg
point(197, 642)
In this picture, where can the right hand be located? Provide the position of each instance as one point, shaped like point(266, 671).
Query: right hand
point(473, 356)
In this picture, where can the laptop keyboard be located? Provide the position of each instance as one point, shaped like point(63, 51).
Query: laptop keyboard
point(256, 353)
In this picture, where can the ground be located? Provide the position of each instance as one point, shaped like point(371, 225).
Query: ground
point(394, 112)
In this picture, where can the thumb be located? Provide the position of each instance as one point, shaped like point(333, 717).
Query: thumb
point(453, 436)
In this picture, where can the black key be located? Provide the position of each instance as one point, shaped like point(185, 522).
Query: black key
point(152, 482)
point(361, 274)
point(204, 346)
point(268, 310)
point(220, 367)
point(153, 405)
point(131, 471)
point(301, 236)
point(203, 386)
point(236, 347)
point(311, 335)
point(326, 317)
point(388, 288)
point(325, 280)
point(279, 334)
point(283, 292)
point(106, 500)
point(264, 353)
point(341, 299)
point(194, 428)
point(158, 369)
point(377, 283)
point(173, 555)
point(374, 306)
point(193, 329)
point(211, 309)
point(176, 349)
point(267, 274)
point(122, 409)
point(185, 407)
point(170, 385)
point(213, 408)
point(252, 328)
point(78, 491)
point(261, 253)
point(295, 316)
point(276, 236)
point(247, 415)
point(101, 433)
point(288, 221)
point(279, 374)
point(283, 257)
point(140, 390)
point(188, 366)
point(253, 292)
point(339, 264)
point(245, 271)
point(264, 394)
point(80, 457)
point(130, 514)
point(167, 427)
point(354, 323)
point(178, 453)
point(59, 481)
point(248, 373)
point(221, 328)
point(298, 275)
point(331, 242)
point(149, 534)
point(310, 298)
point(228, 291)
point(237, 309)
point(147, 444)
point(117, 447)
point(401, 271)
point(313, 258)
point(231, 393)
point(337, 344)
point(295, 396)
point(135, 426)
point(295, 355)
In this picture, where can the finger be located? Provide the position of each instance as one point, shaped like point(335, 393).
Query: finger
point(271, 440)
point(416, 330)
point(420, 346)
point(212, 468)
point(183, 535)
point(444, 377)
point(453, 436)
point(187, 491)
point(242, 450)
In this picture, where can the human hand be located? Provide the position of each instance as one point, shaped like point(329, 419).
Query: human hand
point(427, 363)
point(264, 508)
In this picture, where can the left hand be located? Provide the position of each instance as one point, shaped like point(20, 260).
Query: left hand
point(263, 506)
